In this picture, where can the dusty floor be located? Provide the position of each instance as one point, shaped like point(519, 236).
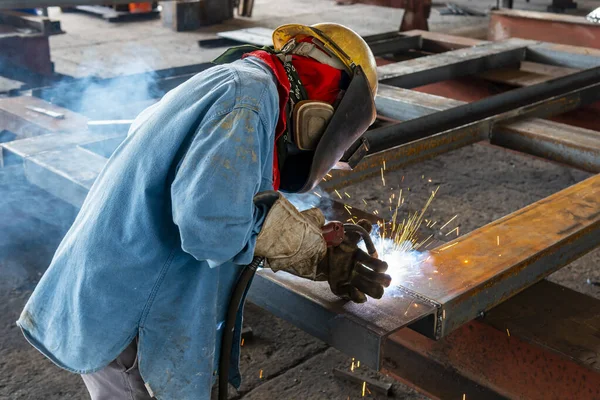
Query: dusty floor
point(480, 183)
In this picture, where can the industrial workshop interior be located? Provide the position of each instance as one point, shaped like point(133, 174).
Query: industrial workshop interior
point(299, 199)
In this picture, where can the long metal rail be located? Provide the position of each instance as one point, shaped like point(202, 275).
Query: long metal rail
point(569, 221)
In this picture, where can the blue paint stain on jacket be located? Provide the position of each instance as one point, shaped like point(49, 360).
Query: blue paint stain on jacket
point(162, 236)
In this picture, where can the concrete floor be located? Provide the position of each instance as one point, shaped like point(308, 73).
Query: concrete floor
point(294, 365)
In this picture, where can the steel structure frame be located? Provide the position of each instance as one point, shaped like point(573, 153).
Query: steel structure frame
point(472, 278)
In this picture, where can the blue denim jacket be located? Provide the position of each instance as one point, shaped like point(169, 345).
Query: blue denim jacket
point(162, 236)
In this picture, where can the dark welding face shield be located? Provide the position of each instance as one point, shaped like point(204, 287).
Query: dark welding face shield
point(321, 135)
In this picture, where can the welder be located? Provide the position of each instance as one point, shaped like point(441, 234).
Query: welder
point(136, 295)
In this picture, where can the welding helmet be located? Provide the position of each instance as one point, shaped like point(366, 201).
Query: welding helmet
point(319, 135)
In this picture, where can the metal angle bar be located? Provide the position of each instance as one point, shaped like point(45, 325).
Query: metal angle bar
point(383, 36)
point(491, 264)
point(562, 143)
point(521, 98)
point(453, 64)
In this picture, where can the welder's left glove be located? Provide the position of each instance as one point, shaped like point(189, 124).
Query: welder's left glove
point(353, 274)
point(290, 240)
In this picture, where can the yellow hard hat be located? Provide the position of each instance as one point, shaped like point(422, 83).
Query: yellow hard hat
point(343, 42)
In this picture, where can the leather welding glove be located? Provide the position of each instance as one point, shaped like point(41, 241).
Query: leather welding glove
point(290, 240)
point(352, 273)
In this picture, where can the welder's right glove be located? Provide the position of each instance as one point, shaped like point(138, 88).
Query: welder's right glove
point(290, 240)
point(352, 274)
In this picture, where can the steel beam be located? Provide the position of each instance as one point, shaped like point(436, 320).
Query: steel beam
point(562, 143)
point(476, 274)
point(561, 55)
point(541, 344)
point(537, 100)
point(453, 64)
point(549, 27)
point(359, 330)
point(402, 104)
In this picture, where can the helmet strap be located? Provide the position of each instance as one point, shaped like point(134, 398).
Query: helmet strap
point(297, 94)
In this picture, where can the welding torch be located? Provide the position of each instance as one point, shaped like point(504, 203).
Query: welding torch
point(333, 233)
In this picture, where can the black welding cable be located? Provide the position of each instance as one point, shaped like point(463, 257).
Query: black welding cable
point(234, 305)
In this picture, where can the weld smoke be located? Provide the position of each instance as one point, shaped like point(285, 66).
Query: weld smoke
point(33, 222)
point(116, 90)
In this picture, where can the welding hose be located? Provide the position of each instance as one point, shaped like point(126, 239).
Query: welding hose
point(232, 311)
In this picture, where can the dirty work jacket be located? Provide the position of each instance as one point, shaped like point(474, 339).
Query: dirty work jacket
point(162, 235)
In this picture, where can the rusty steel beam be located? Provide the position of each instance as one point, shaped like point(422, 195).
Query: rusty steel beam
point(491, 264)
point(542, 344)
point(547, 27)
